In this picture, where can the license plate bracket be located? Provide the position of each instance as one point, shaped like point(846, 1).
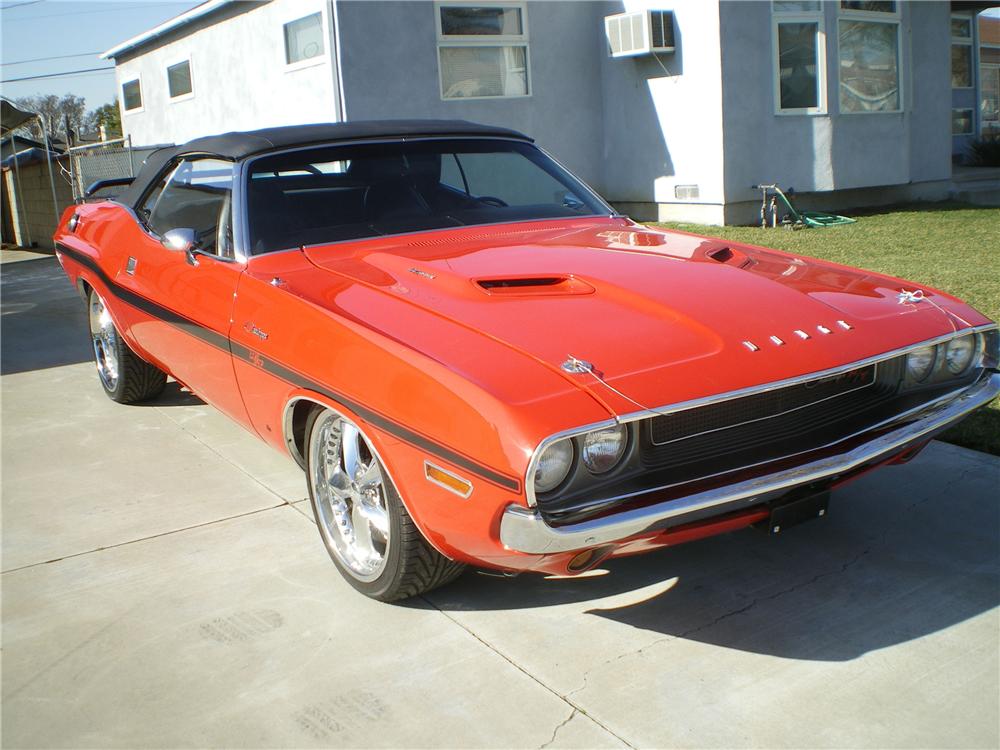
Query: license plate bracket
point(795, 510)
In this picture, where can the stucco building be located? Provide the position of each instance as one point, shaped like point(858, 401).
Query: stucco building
point(851, 103)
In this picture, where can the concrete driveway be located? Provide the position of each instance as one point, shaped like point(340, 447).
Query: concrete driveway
point(164, 586)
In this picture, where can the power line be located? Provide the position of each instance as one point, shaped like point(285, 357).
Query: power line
point(56, 75)
point(18, 5)
point(143, 6)
point(57, 57)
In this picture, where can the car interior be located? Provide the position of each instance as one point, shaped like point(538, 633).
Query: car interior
point(342, 193)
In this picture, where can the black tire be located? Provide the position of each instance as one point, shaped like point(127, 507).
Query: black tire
point(412, 566)
point(133, 379)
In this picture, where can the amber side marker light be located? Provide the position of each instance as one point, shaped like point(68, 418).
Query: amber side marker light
point(444, 478)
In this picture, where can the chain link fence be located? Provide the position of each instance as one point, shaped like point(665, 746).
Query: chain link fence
point(102, 161)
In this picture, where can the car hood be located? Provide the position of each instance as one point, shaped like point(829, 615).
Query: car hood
point(660, 316)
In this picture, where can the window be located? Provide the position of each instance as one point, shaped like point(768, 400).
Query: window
point(131, 95)
point(961, 27)
point(195, 195)
point(482, 50)
point(961, 52)
point(179, 79)
point(961, 66)
point(380, 189)
point(304, 38)
point(961, 122)
point(989, 90)
point(868, 6)
point(868, 45)
point(796, 6)
point(799, 58)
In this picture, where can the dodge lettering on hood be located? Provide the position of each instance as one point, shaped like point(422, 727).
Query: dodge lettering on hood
point(476, 361)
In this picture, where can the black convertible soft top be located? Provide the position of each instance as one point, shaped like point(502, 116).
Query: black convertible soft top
point(240, 145)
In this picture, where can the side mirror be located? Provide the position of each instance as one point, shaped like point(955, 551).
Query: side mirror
point(182, 241)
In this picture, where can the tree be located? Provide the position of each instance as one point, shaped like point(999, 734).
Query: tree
point(108, 115)
point(54, 111)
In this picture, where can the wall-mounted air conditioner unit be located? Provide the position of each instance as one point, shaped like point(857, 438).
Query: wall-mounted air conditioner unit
point(642, 32)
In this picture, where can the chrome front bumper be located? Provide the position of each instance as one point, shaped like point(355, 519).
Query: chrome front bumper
point(524, 529)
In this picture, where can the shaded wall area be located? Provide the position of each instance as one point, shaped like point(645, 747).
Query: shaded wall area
point(32, 216)
point(835, 150)
point(563, 111)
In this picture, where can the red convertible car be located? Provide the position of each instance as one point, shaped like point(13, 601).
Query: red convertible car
point(477, 361)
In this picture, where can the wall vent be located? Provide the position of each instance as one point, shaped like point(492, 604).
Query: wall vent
point(686, 192)
point(640, 32)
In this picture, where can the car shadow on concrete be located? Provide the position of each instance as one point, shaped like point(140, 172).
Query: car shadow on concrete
point(880, 570)
point(44, 321)
point(44, 324)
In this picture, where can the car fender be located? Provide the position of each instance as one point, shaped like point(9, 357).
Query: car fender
point(461, 528)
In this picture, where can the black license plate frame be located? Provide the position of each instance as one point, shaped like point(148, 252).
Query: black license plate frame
point(794, 511)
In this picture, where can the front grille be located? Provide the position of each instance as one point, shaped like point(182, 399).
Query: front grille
point(765, 426)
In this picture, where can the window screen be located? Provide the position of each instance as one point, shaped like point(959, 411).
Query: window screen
point(131, 95)
point(869, 66)
point(798, 67)
point(179, 79)
point(304, 38)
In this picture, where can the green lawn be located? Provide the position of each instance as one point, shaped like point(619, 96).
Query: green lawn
point(953, 247)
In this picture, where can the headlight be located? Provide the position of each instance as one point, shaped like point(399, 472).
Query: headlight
point(553, 465)
point(920, 362)
point(603, 449)
point(958, 353)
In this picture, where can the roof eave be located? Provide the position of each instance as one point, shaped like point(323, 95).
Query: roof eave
point(174, 23)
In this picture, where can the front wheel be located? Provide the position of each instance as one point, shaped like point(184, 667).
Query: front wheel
point(126, 378)
point(361, 519)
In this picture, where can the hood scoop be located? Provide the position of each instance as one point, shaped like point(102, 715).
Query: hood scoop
point(730, 257)
point(525, 286)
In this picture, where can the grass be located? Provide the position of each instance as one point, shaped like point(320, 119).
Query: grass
point(949, 246)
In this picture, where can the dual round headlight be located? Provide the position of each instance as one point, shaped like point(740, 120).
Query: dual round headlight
point(600, 452)
point(958, 355)
point(920, 362)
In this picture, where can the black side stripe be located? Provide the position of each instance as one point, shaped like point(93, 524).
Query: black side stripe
point(244, 353)
point(372, 417)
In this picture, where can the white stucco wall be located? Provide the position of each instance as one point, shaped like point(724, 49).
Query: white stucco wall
point(663, 115)
point(241, 81)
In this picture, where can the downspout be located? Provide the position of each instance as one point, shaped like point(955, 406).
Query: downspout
point(335, 47)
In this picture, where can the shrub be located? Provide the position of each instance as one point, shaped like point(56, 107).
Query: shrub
point(985, 151)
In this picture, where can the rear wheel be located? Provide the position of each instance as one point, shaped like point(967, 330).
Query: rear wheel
point(361, 519)
point(126, 378)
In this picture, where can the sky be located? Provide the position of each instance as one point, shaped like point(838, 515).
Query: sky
point(33, 29)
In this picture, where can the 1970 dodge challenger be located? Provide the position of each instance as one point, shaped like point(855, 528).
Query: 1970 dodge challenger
point(477, 361)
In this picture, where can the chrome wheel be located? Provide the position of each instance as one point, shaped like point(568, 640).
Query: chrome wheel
point(349, 490)
point(105, 339)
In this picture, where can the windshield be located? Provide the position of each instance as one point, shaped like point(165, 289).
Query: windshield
point(338, 193)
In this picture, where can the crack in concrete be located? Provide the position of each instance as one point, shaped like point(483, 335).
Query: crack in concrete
point(576, 709)
point(144, 538)
point(943, 490)
point(725, 616)
point(559, 726)
point(223, 456)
